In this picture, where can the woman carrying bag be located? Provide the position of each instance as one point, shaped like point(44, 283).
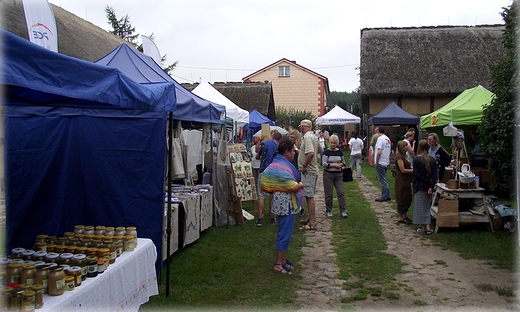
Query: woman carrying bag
point(332, 161)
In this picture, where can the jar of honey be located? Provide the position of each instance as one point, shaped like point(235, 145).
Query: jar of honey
point(27, 303)
point(75, 271)
point(129, 243)
point(41, 276)
point(27, 274)
point(88, 230)
point(56, 281)
point(65, 258)
point(5, 298)
point(52, 257)
point(13, 272)
point(80, 260)
point(40, 246)
point(92, 269)
point(79, 229)
point(38, 295)
point(16, 253)
point(69, 283)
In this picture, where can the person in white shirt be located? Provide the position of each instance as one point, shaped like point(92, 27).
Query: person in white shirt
point(356, 146)
point(381, 162)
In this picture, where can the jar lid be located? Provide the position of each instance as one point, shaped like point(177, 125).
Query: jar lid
point(79, 226)
point(109, 228)
point(28, 293)
point(131, 228)
point(14, 265)
point(52, 255)
point(39, 262)
point(25, 286)
point(37, 287)
point(17, 250)
point(6, 289)
point(89, 227)
point(103, 250)
point(28, 252)
point(42, 267)
point(74, 269)
point(66, 255)
point(41, 236)
point(69, 278)
point(28, 266)
point(56, 268)
point(79, 256)
point(92, 258)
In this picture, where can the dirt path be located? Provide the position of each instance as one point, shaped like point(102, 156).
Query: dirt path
point(443, 279)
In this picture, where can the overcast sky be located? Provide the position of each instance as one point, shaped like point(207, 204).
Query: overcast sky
point(226, 40)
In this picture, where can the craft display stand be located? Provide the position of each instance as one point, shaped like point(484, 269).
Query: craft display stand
point(446, 211)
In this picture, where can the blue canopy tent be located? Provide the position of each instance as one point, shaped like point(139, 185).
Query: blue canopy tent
point(84, 144)
point(143, 69)
point(256, 120)
point(393, 115)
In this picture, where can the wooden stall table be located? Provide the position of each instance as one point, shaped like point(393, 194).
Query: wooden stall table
point(447, 211)
point(124, 286)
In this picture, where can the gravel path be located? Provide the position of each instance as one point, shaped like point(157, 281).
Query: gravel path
point(448, 284)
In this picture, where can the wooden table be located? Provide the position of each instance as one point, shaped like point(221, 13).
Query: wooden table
point(470, 193)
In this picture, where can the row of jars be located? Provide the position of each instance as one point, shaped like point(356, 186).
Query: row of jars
point(21, 297)
point(105, 230)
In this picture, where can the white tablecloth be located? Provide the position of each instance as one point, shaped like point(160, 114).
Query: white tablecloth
point(124, 286)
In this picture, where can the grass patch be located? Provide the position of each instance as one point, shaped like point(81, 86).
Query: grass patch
point(419, 303)
point(231, 267)
point(501, 291)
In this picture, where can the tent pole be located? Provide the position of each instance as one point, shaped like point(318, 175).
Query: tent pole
point(169, 212)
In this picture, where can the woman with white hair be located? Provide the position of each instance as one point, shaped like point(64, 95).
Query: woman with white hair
point(332, 161)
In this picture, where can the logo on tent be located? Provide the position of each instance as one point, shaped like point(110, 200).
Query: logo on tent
point(434, 120)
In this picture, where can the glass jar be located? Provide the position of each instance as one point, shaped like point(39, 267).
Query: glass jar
point(68, 235)
point(119, 243)
point(13, 272)
point(52, 257)
point(50, 247)
point(27, 254)
point(51, 239)
point(3, 277)
point(112, 253)
point(92, 270)
point(73, 241)
point(99, 230)
point(104, 253)
point(102, 265)
point(120, 230)
point(28, 273)
point(84, 242)
point(70, 249)
point(80, 260)
point(38, 295)
point(28, 300)
point(80, 235)
point(88, 230)
point(75, 271)
point(40, 246)
point(129, 243)
point(41, 238)
point(81, 250)
point(69, 283)
point(16, 299)
point(56, 281)
point(16, 253)
point(24, 286)
point(39, 256)
point(62, 240)
point(59, 249)
point(79, 229)
point(92, 251)
point(96, 243)
point(5, 298)
point(41, 276)
point(110, 231)
point(65, 258)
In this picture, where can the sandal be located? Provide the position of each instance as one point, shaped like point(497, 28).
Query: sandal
point(304, 222)
point(288, 264)
point(281, 269)
point(309, 227)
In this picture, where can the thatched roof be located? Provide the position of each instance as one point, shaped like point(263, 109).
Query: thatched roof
point(248, 95)
point(76, 37)
point(428, 61)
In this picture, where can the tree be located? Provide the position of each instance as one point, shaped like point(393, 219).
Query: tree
point(121, 28)
point(497, 125)
point(124, 30)
point(290, 117)
point(349, 101)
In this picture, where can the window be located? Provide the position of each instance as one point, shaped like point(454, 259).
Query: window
point(284, 71)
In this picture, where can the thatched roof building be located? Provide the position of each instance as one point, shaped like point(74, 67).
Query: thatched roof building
point(421, 69)
point(428, 60)
point(248, 96)
point(76, 36)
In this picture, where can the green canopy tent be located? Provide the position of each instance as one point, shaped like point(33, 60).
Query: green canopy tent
point(464, 110)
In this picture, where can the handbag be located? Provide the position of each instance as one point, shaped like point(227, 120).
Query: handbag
point(347, 174)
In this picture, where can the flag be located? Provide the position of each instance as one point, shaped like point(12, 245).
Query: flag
point(150, 49)
point(41, 23)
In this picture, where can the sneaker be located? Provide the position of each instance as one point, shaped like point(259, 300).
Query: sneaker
point(258, 222)
point(429, 232)
point(273, 221)
point(329, 214)
point(344, 214)
point(302, 212)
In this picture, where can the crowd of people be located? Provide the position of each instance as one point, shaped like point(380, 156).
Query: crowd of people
point(287, 168)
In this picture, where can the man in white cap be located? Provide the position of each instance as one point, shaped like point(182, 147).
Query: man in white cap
point(308, 166)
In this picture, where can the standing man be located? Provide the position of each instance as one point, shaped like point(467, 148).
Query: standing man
point(266, 154)
point(308, 166)
point(382, 161)
point(372, 149)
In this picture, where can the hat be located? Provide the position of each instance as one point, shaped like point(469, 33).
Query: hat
point(306, 122)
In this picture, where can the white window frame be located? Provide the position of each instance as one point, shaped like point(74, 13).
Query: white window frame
point(284, 71)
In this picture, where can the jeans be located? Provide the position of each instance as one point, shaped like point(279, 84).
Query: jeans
point(381, 177)
point(355, 161)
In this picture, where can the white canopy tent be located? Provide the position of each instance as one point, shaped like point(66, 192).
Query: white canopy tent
point(207, 92)
point(337, 116)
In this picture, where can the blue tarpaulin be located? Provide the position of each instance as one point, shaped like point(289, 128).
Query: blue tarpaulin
point(84, 144)
point(143, 69)
point(393, 115)
point(256, 120)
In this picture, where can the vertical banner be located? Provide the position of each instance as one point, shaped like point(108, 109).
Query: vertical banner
point(150, 49)
point(41, 24)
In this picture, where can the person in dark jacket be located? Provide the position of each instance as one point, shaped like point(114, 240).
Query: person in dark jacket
point(423, 179)
point(442, 158)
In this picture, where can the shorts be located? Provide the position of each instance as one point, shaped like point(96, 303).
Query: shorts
point(261, 194)
point(309, 184)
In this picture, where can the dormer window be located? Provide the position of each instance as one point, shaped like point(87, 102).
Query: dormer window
point(284, 71)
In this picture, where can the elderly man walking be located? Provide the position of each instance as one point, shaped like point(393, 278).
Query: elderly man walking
point(308, 166)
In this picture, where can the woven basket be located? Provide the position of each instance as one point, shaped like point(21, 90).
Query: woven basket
point(465, 174)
